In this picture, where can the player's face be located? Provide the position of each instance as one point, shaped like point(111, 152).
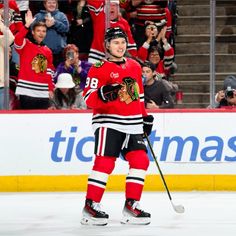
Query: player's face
point(117, 48)
point(39, 33)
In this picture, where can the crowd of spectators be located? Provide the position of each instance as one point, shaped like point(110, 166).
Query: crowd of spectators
point(55, 40)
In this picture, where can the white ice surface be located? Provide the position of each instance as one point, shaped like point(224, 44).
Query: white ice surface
point(59, 214)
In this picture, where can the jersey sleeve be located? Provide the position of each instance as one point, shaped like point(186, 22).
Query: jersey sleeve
point(169, 22)
point(141, 90)
point(20, 39)
point(168, 56)
point(95, 8)
point(143, 51)
point(93, 83)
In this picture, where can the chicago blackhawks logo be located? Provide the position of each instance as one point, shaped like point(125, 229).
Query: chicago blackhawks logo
point(129, 91)
point(39, 63)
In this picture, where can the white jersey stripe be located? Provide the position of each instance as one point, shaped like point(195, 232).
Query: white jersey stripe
point(20, 46)
point(137, 173)
point(125, 124)
point(99, 176)
point(134, 181)
point(98, 179)
point(99, 142)
point(136, 176)
point(96, 184)
point(102, 141)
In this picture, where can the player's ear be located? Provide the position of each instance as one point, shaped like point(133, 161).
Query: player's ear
point(107, 45)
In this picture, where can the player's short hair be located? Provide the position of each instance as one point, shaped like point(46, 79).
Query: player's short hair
point(113, 33)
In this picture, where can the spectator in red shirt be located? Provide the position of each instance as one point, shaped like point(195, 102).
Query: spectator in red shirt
point(98, 14)
point(35, 76)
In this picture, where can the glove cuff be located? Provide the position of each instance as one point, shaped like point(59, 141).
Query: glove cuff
point(147, 124)
point(101, 95)
point(148, 119)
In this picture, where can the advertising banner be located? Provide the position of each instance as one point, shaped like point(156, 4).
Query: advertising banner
point(63, 143)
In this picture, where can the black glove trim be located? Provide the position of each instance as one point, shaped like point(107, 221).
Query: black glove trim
point(101, 95)
point(147, 124)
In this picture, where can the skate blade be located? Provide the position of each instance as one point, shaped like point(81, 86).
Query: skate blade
point(94, 221)
point(135, 220)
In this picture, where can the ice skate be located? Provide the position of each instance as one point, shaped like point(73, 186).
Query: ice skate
point(132, 214)
point(92, 214)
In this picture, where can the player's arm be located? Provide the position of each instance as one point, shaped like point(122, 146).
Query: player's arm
point(97, 91)
point(147, 119)
point(20, 39)
point(138, 71)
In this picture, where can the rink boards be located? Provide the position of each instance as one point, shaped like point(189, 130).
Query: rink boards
point(53, 151)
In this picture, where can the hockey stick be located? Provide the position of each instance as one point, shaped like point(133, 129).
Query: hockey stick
point(177, 208)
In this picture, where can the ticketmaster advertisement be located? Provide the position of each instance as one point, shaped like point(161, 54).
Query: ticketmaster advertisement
point(63, 143)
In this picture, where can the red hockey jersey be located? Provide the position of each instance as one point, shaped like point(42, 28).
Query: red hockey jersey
point(154, 11)
point(36, 68)
point(97, 51)
point(122, 115)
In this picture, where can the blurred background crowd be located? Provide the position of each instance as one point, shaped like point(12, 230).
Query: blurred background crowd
point(73, 30)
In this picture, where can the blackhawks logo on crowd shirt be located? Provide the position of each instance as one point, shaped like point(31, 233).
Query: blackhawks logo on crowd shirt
point(39, 63)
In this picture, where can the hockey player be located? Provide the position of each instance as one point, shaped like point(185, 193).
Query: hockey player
point(114, 91)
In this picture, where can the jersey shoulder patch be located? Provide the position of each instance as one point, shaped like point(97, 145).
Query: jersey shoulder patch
point(98, 64)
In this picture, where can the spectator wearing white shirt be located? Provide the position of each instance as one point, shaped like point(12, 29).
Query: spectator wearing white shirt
point(10, 37)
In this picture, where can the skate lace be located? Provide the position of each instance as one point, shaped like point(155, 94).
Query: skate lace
point(97, 206)
point(136, 205)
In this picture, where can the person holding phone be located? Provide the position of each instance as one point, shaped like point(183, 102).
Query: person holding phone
point(74, 66)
